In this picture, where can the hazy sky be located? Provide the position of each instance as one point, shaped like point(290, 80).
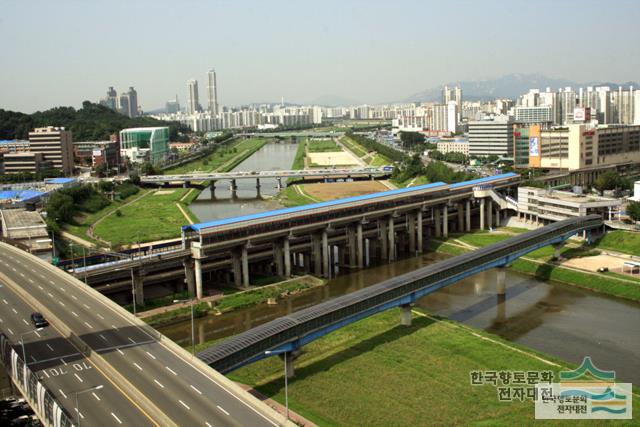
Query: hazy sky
point(61, 52)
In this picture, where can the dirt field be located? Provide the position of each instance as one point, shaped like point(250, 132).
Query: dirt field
point(592, 263)
point(337, 190)
point(163, 192)
point(332, 158)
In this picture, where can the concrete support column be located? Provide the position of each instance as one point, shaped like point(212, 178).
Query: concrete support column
point(460, 217)
point(287, 257)
point(325, 254)
point(351, 243)
point(445, 221)
point(360, 245)
point(245, 267)
point(391, 231)
point(198, 273)
point(258, 186)
point(212, 189)
point(436, 222)
point(556, 250)
point(405, 315)
point(234, 189)
point(279, 180)
point(419, 230)
point(290, 372)
point(501, 280)
point(236, 264)
point(489, 213)
point(190, 275)
point(411, 229)
point(138, 286)
point(468, 216)
point(316, 244)
point(384, 241)
point(482, 212)
point(278, 258)
point(186, 184)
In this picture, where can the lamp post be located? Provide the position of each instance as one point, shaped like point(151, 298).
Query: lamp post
point(286, 381)
point(193, 331)
point(98, 387)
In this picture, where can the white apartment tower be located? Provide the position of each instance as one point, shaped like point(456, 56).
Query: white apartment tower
point(193, 104)
point(213, 92)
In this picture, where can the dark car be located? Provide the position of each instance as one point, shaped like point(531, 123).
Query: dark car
point(38, 320)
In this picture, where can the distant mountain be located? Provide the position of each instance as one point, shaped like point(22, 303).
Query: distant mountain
point(510, 86)
point(332, 101)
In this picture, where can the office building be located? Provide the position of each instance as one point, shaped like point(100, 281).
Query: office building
point(453, 145)
point(579, 146)
point(13, 145)
point(540, 205)
point(535, 114)
point(525, 139)
point(56, 146)
point(491, 137)
point(147, 143)
point(213, 92)
point(193, 104)
point(111, 100)
point(133, 102)
point(453, 94)
point(124, 105)
point(24, 162)
point(173, 106)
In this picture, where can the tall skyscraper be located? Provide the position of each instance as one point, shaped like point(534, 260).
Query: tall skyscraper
point(213, 92)
point(133, 102)
point(453, 94)
point(124, 106)
point(193, 105)
point(173, 105)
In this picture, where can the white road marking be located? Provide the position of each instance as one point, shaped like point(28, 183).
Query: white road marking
point(63, 289)
point(25, 322)
point(74, 313)
point(184, 404)
point(114, 327)
point(171, 370)
point(151, 355)
point(37, 333)
point(137, 366)
point(100, 316)
point(96, 396)
point(61, 303)
point(120, 351)
point(117, 419)
point(62, 393)
point(74, 297)
point(14, 269)
point(208, 425)
point(14, 310)
point(22, 274)
point(86, 306)
point(222, 409)
point(31, 281)
point(131, 339)
point(63, 362)
point(199, 392)
point(158, 382)
point(80, 413)
point(1, 320)
point(88, 325)
point(41, 288)
point(50, 281)
point(102, 336)
point(34, 359)
point(50, 348)
point(50, 294)
point(10, 331)
point(78, 377)
point(5, 301)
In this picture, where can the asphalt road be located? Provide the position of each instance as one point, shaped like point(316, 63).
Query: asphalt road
point(184, 393)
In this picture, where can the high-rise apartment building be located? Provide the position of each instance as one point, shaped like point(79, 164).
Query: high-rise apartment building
point(124, 104)
point(212, 90)
point(56, 146)
point(193, 104)
point(453, 94)
point(491, 137)
point(173, 106)
point(111, 100)
point(133, 102)
point(539, 114)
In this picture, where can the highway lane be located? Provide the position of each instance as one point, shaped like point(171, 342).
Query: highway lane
point(185, 394)
point(63, 370)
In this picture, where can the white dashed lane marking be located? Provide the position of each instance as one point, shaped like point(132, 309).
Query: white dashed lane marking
point(117, 419)
point(222, 409)
point(158, 382)
point(184, 404)
point(198, 391)
point(171, 370)
point(78, 377)
point(151, 355)
point(137, 366)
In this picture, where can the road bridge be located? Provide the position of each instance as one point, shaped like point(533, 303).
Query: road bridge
point(147, 379)
point(233, 177)
point(287, 334)
point(347, 233)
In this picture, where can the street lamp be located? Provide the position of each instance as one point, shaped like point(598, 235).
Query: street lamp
point(98, 387)
point(286, 382)
point(193, 331)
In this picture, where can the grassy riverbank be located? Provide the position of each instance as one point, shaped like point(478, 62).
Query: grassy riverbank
point(233, 299)
point(378, 373)
point(620, 241)
point(538, 264)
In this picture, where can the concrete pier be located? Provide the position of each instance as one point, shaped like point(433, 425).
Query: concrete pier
point(436, 221)
point(287, 257)
point(411, 229)
point(212, 189)
point(245, 267)
point(501, 280)
point(391, 231)
point(405, 315)
point(419, 230)
point(360, 245)
point(138, 286)
point(233, 188)
point(198, 273)
point(384, 241)
point(445, 221)
point(190, 275)
point(325, 255)
point(482, 212)
point(468, 215)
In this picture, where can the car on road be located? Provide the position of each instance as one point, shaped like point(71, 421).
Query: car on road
point(38, 320)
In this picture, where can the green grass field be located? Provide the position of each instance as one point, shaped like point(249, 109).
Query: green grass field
point(298, 160)
point(290, 197)
point(356, 148)
point(224, 158)
point(154, 217)
point(620, 241)
point(323, 146)
point(378, 373)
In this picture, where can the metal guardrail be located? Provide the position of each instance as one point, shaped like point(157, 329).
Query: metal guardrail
point(301, 327)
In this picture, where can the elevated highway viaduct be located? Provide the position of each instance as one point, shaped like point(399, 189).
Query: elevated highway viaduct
point(313, 238)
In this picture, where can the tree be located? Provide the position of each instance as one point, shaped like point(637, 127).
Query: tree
point(101, 170)
point(147, 168)
point(60, 207)
point(633, 210)
point(411, 139)
point(607, 181)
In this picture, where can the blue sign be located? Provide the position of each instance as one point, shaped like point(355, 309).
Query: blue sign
point(534, 148)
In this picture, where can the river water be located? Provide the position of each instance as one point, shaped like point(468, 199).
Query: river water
point(272, 156)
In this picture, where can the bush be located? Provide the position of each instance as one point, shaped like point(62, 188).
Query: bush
point(127, 189)
point(118, 212)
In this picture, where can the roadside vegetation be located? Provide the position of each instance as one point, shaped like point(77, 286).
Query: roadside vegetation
point(359, 374)
point(620, 241)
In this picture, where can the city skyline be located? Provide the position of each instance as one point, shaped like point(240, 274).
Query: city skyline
point(264, 52)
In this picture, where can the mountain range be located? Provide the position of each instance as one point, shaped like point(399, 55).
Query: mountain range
point(509, 86)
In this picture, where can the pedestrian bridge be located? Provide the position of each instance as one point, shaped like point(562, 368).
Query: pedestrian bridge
point(289, 333)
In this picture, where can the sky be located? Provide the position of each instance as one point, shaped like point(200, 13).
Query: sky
point(63, 52)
